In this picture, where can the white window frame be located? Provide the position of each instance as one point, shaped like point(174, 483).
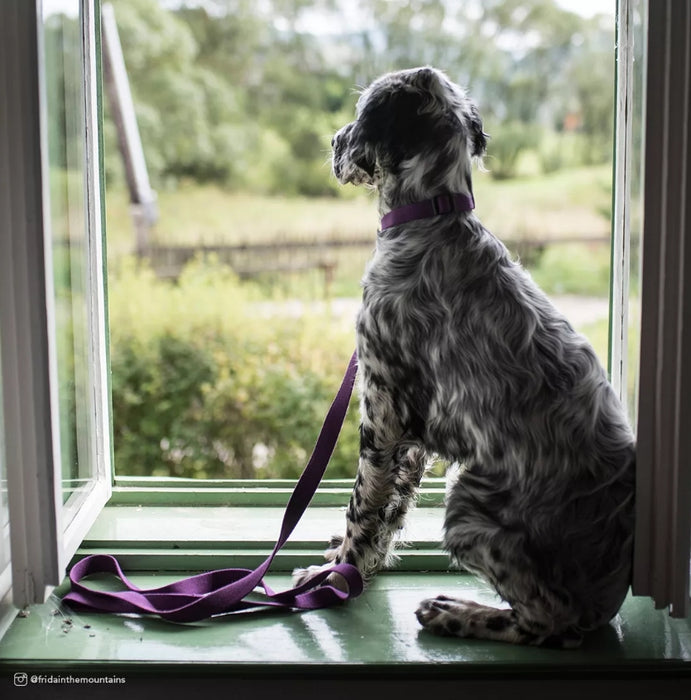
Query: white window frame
point(44, 532)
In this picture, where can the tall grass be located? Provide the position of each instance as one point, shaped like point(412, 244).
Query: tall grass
point(569, 203)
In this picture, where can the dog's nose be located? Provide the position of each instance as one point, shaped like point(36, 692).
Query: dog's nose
point(333, 141)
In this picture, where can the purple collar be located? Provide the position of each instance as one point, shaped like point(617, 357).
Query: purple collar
point(441, 204)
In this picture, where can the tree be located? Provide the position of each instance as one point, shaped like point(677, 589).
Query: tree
point(248, 94)
point(192, 120)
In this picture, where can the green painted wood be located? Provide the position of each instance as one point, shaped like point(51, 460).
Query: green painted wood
point(270, 492)
point(195, 560)
point(259, 496)
point(379, 629)
point(214, 526)
point(172, 538)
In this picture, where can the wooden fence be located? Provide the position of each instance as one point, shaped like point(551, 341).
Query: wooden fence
point(250, 261)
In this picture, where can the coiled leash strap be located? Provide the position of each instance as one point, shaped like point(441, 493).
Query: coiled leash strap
point(222, 591)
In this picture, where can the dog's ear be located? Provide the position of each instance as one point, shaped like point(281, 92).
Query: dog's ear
point(362, 150)
point(396, 125)
point(425, 78)
point(478, 138)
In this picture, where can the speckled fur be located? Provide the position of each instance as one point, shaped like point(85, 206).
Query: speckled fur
point(462, 355)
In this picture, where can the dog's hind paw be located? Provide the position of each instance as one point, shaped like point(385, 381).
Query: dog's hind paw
point(447, 616)
point(464, 618)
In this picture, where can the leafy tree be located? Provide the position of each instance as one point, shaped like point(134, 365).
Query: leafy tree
point(248, 94)
point(192, 121)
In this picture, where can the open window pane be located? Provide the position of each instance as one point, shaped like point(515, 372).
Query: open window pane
point(632, 345)
point(232, 312)
point(66, 127)
point(627, 221)
point(74, 225)
point(51, 315)
point(6, 610)
point(69, 33)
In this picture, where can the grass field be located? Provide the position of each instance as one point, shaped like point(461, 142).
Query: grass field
point(569, 203)
point(566, 204)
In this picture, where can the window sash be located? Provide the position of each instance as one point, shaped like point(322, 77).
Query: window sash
point(83, 509)
point(44, 533)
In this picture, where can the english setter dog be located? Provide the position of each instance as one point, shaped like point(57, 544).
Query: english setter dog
point(461, 355)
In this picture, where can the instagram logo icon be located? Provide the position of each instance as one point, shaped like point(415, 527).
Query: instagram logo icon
point(21, 679)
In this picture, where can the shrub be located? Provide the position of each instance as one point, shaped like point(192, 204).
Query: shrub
point(560, 150)
point(574, 268)
point(207, 383)
point(507, 142)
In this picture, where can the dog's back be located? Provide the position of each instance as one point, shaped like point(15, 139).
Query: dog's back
point(461, 354)
point(490, 374)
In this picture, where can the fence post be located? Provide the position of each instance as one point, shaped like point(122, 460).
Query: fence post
point(142, 198)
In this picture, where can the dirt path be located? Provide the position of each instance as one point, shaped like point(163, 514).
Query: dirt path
point(580, 311)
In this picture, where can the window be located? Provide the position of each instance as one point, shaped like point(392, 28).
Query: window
point(627, 220)
point(225, 371)
point(52, 291)
point(74, 228)
point(53, 320)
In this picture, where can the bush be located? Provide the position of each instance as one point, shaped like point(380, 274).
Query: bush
point(560, 150)
point(574, 268)
point(506, 144)
point(204, 386)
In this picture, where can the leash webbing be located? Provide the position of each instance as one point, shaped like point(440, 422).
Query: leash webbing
point(224, 590)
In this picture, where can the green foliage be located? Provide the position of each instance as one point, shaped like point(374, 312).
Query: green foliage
point(213, 379)
point(247, 95)
point(207, 383)
point(508, 141)
point(192, 121)
point(560, 150)
point(574, 268)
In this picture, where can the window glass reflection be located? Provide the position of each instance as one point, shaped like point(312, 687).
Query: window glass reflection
point(64, 80)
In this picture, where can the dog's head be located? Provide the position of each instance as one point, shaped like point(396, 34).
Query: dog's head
point(410, 124)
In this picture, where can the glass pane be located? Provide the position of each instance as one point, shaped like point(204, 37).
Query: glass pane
point(638, 127)
point(4, 507)
point(232, 316)
point(64, 80)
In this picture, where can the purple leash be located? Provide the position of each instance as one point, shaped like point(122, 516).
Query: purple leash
point(222, 591)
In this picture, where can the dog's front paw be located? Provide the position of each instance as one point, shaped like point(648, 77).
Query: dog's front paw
point(332, 555)
point(333, 552)
point(301, 576)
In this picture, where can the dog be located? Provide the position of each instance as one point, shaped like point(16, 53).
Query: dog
point(462, 356)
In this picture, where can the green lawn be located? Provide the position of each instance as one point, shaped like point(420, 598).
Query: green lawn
point(569, 203)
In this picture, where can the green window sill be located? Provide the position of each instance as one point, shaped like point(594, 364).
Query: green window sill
point(184, 525)
point(377, 631)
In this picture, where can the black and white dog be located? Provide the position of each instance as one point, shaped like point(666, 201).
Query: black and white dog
point(461, 355)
